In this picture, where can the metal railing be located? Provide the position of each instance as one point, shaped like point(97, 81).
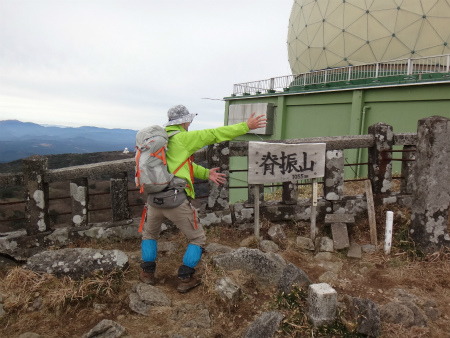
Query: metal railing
point(398, 67)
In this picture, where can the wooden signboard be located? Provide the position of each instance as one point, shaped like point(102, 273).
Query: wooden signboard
point(280, 162)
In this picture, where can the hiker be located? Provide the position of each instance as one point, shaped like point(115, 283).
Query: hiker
point(180, 148)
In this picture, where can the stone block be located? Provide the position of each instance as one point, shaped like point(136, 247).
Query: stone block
point(322, 304)
point(340, 236)
point(354, 251)
point(339, 218)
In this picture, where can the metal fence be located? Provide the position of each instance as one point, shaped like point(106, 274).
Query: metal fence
point(399, 67)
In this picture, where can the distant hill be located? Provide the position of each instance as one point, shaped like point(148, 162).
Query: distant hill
point(19, 140)
point(68, 160)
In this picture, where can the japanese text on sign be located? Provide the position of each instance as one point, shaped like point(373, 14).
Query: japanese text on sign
point(278, 162)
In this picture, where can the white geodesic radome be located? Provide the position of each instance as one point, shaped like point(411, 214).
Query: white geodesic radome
point(336, 33)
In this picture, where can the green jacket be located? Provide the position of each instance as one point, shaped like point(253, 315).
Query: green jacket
point(185, 143)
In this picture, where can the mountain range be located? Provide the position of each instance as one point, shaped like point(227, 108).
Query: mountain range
point(19, 140)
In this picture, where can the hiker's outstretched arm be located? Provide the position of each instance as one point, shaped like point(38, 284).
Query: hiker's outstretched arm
point(216, 177)
point(256, 122)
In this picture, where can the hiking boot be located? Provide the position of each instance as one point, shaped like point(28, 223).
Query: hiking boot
point(187, 284)
point(147, 277)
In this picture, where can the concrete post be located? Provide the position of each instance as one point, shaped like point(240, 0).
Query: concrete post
point(79, 192)
point(218, 156)
point(290, 193)
point(36, 194)
point(333, 188)
point(322, 304)
point(408, 157)
point(119, 197)
point(380, 161)
point(431, 191)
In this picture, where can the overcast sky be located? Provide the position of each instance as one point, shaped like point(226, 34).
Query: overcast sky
point(123, 64)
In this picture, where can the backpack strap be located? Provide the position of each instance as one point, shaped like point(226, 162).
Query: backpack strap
point(189, 160)
point(137, 167)
point(161, 154)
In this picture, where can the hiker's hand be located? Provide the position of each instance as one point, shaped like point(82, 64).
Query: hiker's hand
point(256, 122)
point(216, 177)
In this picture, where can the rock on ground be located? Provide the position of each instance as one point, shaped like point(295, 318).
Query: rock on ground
point(216, 248)
point(192, 316)
point(30, 335)
point(77, 262)
point(145, 296)
point(276, 233)
point(267, 267)
point(293, 275)
point(367, 315)
point(268, 246)
point(265, 326)
point(106, 329)
point(228, 290)
point(397, 313)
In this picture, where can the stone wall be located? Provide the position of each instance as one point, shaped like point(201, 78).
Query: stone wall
point(420, 172)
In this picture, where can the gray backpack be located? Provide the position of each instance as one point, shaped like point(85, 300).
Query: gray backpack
point(152, 175)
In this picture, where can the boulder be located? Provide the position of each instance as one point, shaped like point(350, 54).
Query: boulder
point(328, 277)
point(293, 275)
point(77, 262)
point(419, 317)
point(265, 326)
point(145, 296)
point(397, 313)
point(367, 316)
point(106, 329)
point(228, 290)
point(268, 246)
point(267, 267)
point(305, 243)
point(216, 248)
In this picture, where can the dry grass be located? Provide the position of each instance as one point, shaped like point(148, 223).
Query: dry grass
point(21, 287)
point(68, 306)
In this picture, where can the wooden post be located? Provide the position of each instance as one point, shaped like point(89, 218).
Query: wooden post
point(371, 212)
point(257, 212)
point(313, 209)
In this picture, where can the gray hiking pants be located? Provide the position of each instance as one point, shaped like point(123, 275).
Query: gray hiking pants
point(184, 217)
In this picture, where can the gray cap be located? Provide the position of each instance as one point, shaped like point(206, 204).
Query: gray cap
point(179, 115)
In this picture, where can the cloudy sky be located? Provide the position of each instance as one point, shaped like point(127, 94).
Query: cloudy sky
point(122, 64)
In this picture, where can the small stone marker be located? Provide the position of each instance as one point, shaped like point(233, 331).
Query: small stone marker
point(322, 304)
point(340, 236)
point(354, 251)
point(326, 244)
point(339, 218)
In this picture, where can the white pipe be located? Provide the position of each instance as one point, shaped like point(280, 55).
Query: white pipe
point(388, 233)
